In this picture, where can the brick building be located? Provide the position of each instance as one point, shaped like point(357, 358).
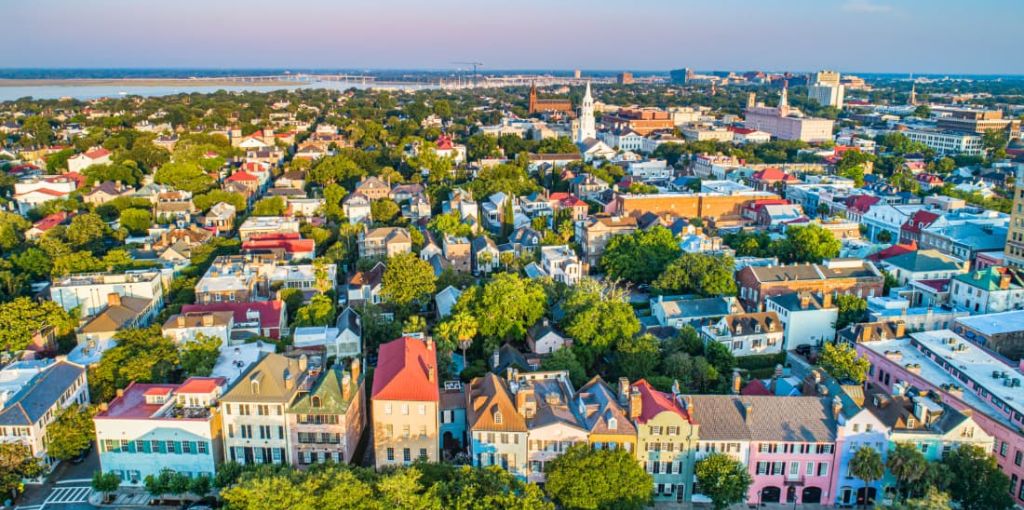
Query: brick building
point(844, 276)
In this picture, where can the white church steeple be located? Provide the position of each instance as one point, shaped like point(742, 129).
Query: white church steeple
point(586, 129)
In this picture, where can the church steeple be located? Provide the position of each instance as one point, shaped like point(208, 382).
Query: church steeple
point(586, 129)
point(784, 98)
point(913, 94)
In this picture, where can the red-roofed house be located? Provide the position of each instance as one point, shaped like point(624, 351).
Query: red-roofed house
point(249, 181)
point(662, 419)
point(755, 388)
point(742, 135)
point(447, 149)
point(96, 156)
point(892, 251)
point(771, 179)
point(405, 400)
point(256, 318)
point(920, 220)
point(858, 205)
point(928, 181)
point(42, 226)
point(150, 428)
point(285, 246)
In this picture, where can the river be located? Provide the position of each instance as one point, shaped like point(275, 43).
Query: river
point(86, 92)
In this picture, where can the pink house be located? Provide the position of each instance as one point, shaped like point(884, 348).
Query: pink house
point(968, 378)
point(787, 443)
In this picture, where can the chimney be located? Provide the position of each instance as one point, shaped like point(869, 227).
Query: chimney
point(430, 344)
point(837, 407)
point(180, 320)
point(104, 407)
point(635, 404)
point(1004, 280)
point(431, 376)
point(120, 393)
point(208, 319)
point(522, 401)
point(624, 390)
point(495, 358)
point(289, 381)
point(690, 407)
point(675, 388)
point(113, 299)
point(748, 412)
point(901, 329)
point(303, 363)
point(805, 300)
point(826, 300)
point(346, 386)
point(355, 369)
point(737, 382)
point(509, 375)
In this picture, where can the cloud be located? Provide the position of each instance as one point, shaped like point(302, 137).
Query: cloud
point(866, 7)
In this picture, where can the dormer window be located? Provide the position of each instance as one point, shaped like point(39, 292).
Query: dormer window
point(613, 424)
point(254, 386)
point(315, 401)
point(497, 418)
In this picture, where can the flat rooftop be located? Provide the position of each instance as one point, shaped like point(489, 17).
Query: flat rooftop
point(970, 360)
point(995, 323)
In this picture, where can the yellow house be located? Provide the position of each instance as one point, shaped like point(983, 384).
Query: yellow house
point(405, 400)
point(606, 417)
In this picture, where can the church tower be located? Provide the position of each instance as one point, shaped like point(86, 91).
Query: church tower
point(587, 129)
point(913, 94)
point(784, 99)
point(533, 98)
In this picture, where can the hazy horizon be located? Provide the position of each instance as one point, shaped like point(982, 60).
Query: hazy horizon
point(868, 36)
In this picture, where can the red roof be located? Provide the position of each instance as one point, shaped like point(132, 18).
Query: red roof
point(741, 130)
point(919, 220)
point(50, 221)
point(940, 285)
point(892, 251)
point(270, 311)
point(572, 201)
point(77, 177)
point(200, 385)
point(558, 196)
point(132, 403)
point(242, 176)
point(444, 143)
point(755, 387)
point(929, 179)
point(772, 174)
point(289, 245)
point(861, 203)
point(403, 371)
point(158, 390)
point(97, 154)
point(654, 402)
point(48, 191)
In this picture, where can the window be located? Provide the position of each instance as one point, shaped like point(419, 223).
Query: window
point(387, 409)
point(202, 447)
point(810, 469)
point(1018, 457)
point(423, 453)
point(406, 455)
point(405, 409)
point(391, 454)
point(1003, 448)
point(822, 468)
point(422, 409)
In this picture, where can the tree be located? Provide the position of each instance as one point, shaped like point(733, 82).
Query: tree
point(640, 257)
point(415, 324)
point(490, 488)
point(136, 221)
point(12, 230)
point(39, 128)
point(86, 231)
point(841, 361)
point(319, 312)
point(933, 499)
point(597, 317)
point(867, 466)
point(407, 281)
point(141, 355)
point(71, 433)
point(384, 211)
point(723, 479)
point(184, 175)
point(852, 310)
point(127, 173)
point(199, 355)
point(698, 273)
point(809, 244)
point(23, 317)
point(449, 224)
point(16, 464)
point(458, 330)
point(908, 465)
point(338, 169)
point(564, 359)
point(504, 308)
point(270, 206)
point(215, 196)
point(586, 479)
point(105, 483)
point(480, 146)
point(884, 237)
point(976, 482)
point(637, 356)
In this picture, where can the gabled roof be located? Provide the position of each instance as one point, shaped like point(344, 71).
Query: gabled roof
point(488, 398)
point(764, 418)
point(654, 402)
point(40, 394)
point(924, 260)
point(274, 378)
point(407, 370)
point(242, 176)
point(602, 409)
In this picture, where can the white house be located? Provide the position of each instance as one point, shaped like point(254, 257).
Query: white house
point(96, 156)
point(747, 334)
point(807, 319)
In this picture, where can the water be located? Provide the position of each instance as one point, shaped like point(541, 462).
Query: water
point(86, 92)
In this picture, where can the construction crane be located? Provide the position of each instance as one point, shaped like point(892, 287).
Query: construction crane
point(476, 78)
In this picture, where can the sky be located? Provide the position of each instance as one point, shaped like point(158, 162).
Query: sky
point(899, 36)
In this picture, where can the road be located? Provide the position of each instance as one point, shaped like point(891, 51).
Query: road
point(66, 488)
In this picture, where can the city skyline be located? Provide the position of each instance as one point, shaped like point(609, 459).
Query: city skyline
point(869, 36)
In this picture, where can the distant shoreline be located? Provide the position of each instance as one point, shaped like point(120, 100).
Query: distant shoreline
point(144, 82)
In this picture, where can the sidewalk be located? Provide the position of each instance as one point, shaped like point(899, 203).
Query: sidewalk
point(123, 498)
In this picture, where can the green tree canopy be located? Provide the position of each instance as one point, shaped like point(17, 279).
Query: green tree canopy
point(504, 307)
point(640, 257)
point(586, 479)
point(723, 479)
point(698, 273)
point(319, 312)
point(407, 281)
point(852, 310)
point(808, 244)
point(23, 317)
point(141, 355)
point(71, 433)
point(596, 318)
point(199, 355)
point(184, 175)
point(841, 361)
point(270, 206)
point(976, 482)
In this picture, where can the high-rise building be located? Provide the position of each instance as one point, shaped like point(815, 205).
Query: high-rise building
point(577, 74)
point(587, 129)
point(826, 89)
point(679, 76)
point(624, 78)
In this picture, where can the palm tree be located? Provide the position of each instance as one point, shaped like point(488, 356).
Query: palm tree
point(460, 328)
point(867, 466)
point(908, 465)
